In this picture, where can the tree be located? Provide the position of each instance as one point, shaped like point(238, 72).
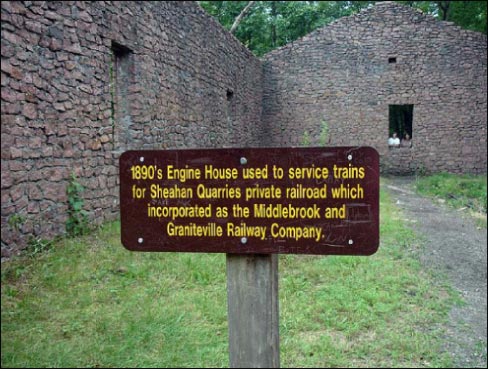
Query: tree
point(470, 15)
point(271, 24)
point(444, 7)
point(241, 16)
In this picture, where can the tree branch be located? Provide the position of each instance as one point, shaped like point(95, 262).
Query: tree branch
point(241, 16)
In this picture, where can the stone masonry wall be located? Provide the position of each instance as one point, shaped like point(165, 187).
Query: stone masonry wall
point(81, 82)
point(84, 81)
point(344, 75)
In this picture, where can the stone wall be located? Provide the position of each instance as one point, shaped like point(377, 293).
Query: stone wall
point(345, 75)
point(84, 81)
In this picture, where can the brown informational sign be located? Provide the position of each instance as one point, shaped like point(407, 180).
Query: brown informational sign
point(252, 200)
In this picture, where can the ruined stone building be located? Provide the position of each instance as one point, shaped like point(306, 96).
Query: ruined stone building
point(84, 81)
point(356, 72)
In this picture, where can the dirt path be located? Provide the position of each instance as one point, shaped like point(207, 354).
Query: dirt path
point(456, 247)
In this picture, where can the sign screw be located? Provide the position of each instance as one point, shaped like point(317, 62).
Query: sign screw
point(141, 159)
point(140, 240)
point(351, 242)
point(349, 157)
point(243, 240)
point(243, 160)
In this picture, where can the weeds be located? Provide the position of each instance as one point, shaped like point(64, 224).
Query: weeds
point(305, 139)
point(77, 222)
point(323, 139)
point(324, 133)
point(37, 245)
point(15, 221)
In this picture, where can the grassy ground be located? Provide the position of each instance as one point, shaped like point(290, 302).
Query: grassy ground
point(459, 191)
point(88, 302)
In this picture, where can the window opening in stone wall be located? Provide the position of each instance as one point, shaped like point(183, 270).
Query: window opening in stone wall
point(392, 60)
point(230, 95)
point(121, 77)
point(400, 121)
point(230, 109)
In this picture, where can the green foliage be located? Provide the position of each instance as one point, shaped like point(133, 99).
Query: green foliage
point(271, 24)
point(324, 133)
point(77, 222)
point(306, 139)
point(470, 15)
point(420, 170)
point(37, 245)
point(15, 221)
point(457, 190)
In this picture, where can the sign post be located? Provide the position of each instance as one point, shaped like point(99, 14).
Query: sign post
point(252, 303)
point(251, 204)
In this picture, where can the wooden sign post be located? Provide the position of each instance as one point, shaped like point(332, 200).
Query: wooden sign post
point(251, 204)
point(252, 302)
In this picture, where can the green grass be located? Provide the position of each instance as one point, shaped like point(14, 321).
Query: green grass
point(88, 302)
point(459, 191)
point(378, 311)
